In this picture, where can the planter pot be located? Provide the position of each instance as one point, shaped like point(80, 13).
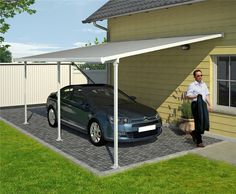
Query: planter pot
point(187, 125)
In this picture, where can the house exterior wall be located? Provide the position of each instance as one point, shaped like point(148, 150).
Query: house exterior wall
point(159, 78)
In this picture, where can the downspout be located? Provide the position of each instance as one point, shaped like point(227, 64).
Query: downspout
point(103, 28)
point(108, 40)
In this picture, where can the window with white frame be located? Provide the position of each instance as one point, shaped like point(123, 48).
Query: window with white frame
point(225, 81)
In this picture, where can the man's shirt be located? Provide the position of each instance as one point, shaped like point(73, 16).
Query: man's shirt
point(196, 88)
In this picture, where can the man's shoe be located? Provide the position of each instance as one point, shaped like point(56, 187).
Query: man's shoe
point(200, 145)
point(193, 137)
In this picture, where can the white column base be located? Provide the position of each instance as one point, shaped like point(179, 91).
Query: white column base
point(59, 139)
point(115, 166)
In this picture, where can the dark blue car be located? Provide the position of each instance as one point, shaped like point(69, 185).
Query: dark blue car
point(89, 108)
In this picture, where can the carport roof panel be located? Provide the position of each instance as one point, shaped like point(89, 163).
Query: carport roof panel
point(115, 50)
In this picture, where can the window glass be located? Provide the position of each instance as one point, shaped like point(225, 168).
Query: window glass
point(66, 93)
point(223, 93)
point(233, 68)
point(223, 68)
point(105, 96)
point(233, 94)
point(78, 97)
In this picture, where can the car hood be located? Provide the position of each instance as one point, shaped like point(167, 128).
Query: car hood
point(129, 110)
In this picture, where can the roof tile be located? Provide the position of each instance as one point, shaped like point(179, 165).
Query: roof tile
point(115, 8)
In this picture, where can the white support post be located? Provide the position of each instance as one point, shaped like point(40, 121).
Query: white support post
point(59, 101)
point(115, 64)
point(25, 92)
point(70, 74)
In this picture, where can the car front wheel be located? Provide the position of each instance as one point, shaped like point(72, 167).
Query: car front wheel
point(95, 134)
point(52, 118)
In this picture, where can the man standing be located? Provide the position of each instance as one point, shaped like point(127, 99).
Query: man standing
point(199, 94)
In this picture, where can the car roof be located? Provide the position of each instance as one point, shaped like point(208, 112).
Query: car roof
point(93, 85)
point(90, 86)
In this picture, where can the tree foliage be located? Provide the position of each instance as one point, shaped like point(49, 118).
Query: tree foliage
point(8, 9)
point(94, 66)
point(5, 55)
point(96, 41)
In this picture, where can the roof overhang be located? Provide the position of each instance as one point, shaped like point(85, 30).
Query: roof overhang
point(115, 50)
point(101, 14)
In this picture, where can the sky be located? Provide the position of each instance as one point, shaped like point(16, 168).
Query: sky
point(57, 25)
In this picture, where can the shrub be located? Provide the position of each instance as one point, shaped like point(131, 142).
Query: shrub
point(186, 111)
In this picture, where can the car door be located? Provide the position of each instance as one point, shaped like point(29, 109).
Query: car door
point(66, 110)
point(80, 109)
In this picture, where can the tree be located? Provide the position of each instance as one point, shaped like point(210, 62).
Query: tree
point(104, 40)
point(96, 41)
point(8, 9)
point(94, 66)
point(5, 55)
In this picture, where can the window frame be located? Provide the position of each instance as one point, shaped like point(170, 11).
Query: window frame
point(216, 107)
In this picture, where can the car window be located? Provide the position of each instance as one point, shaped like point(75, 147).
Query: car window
point(66, 93)
point(105, 96)
point(102, 92)
point(78, 97)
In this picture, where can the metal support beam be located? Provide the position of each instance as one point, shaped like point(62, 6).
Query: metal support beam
point(25, 92)
point(59, 101)
point(88, 78)
point(115, 64)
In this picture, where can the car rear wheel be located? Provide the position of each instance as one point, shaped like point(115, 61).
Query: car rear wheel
point(95, 134)
point(52, 118)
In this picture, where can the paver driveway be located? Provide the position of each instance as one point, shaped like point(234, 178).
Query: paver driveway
point(78, 146)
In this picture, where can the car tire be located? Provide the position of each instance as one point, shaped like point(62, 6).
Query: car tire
point(95, 134)
point(52, 118)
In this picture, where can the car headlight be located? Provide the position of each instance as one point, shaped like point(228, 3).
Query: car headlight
point(157, 115)
point(121, 120)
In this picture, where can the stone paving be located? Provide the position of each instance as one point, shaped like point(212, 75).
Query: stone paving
point(78, 146)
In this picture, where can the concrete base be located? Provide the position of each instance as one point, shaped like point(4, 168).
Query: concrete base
point(223, 151)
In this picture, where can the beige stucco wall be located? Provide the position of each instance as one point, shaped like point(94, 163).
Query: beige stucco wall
point(159, 78)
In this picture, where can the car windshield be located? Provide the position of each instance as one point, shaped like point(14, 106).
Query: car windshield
point(105, 96)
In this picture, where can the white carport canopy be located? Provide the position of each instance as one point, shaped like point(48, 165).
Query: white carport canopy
point(110, 52)
point(116, 50)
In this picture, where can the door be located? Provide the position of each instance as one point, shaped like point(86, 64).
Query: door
point(66, 111)
point(79, 110)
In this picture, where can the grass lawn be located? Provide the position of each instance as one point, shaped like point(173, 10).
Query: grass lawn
point(29, 167)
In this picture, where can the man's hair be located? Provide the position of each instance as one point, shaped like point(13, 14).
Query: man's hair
point(197, 70)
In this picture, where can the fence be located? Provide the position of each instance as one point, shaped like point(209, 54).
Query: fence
point(41, 81)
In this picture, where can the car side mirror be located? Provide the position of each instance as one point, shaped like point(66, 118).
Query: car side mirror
point(133, 98)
